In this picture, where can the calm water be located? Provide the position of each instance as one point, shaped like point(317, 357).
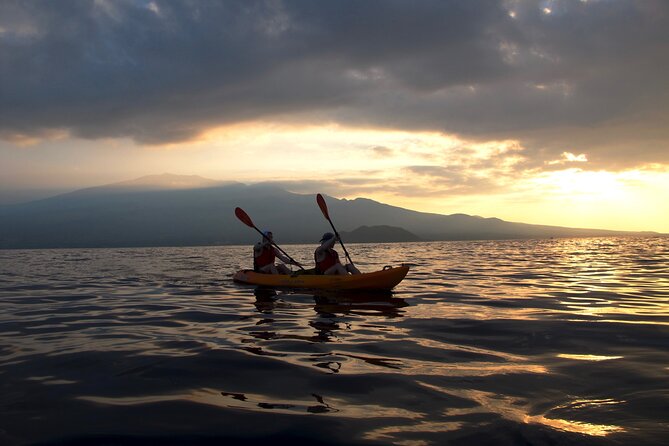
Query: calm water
point(513, 342)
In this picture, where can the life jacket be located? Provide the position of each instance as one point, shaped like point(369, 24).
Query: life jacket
point(266, 257)
point(330, 259)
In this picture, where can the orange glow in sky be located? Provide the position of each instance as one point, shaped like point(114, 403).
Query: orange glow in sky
point(424, 171)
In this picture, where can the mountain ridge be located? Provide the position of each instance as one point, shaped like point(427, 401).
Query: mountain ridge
point(379, 234)
point(118, 216)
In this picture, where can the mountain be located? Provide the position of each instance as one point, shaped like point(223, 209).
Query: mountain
point(170, 210)
point(378, 234)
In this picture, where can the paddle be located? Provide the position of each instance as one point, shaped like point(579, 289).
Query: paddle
point(244, 218)
point(324, 209)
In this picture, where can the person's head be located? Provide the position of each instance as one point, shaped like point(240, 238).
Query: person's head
point(267, 235)
point(327, 236)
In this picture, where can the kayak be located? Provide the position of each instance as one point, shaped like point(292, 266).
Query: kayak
point(385, 279)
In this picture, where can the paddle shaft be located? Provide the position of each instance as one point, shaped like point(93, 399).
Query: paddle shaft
point(277, 247)
point(244, 218)
point(341, 243)
point(324, 208)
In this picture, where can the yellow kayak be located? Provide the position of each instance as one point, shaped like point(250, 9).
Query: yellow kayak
point(385, 279)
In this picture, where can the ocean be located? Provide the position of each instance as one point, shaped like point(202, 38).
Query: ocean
point(521, 342)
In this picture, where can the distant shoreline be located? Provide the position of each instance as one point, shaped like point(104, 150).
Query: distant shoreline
point(657, 235)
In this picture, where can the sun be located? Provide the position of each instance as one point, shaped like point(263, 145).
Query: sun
point(626, 200)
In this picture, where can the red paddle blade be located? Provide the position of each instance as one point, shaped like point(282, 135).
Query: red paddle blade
point(244, 217)
point(321, 204)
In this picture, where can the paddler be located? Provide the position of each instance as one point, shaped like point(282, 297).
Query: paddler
point(264, 254)
point(327, 259)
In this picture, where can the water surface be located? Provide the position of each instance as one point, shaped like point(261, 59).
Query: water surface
point(560, 341)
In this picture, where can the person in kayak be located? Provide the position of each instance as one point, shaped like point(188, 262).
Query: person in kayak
point(327, 259)
point(264, 255)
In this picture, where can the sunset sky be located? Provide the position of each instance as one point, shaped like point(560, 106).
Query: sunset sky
point(548, 112)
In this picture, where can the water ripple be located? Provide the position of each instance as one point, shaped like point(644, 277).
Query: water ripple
point(516, 342)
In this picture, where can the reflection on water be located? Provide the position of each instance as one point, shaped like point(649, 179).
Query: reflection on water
point(213, 397)
point(598, 430)
point(333, 303)
point(513, 342)
point(515, 409)
point(324, 327)
point(588, 357)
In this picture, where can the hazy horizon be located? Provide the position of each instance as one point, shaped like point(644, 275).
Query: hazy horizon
point(548, 112)
point(169, 181)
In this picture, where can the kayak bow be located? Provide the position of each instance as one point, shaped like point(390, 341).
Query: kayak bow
point(385, 279)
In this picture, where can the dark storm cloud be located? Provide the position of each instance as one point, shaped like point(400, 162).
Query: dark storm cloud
point(586, 77)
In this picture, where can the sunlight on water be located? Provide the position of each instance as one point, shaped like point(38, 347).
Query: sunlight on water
point(575, 426)
point(588, 357)
point(514, 409)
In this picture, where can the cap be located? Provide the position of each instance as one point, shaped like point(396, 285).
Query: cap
point(327, 236)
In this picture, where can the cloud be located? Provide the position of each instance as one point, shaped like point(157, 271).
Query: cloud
point(568, 157)
point(454, 169)
point(587, 77)
point(453, 180)
point(382, 152)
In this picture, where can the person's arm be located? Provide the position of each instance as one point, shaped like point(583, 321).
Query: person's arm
point(320, 251)
point(329, 243)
